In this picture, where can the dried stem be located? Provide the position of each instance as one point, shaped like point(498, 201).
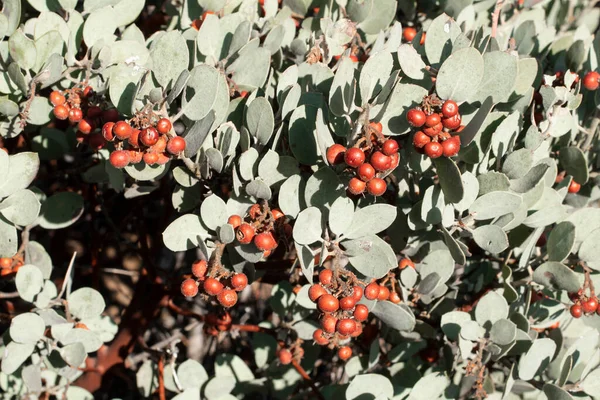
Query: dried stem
point(496, 16)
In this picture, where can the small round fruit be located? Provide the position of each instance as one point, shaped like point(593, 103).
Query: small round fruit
point(163, 125)
point(390, 147)
point(57, 98)
point(434, 150)
point(361, 312)
point(88, 91)
point(384, 293)
point(119, 158)
point(326, 277)
point(94, 112)
point(434, 130)
point(405, 262)
point(395, 160)
point(416, 118)
point(574, 187)
point(354, 157)
point(122, 130)
point(380, 161)
point(227, 298)
point(432, 120)
point(245, 233)
point(86, 126)
point(358, 331)
point(239, 281)
point(212, 286)
point(372, 291)
point(199, 269)
point(335, 154)
point(149, 136)
point(420, 140)
point(75, 115)
point(376, 187)
point(110, 115)
point(394, 298)
point(377, 126)
point(61, 112)
point(163, 158)
point(189, 288)
point(150, 158)
point(285, 356)
point(366, 172)
point(356, 186)
point(254, 211)
point(347, 303)
point(344, 353)
point(449, 108)
point(576, 311)
point(134, 139)
point(357, 293)
point(176, 145)
point(451, 146)
point(319, 337)
point(235, 221)
point(6, 262)
point(346, 326)
point(316, 291)
point(328, 323)
point(328, 303)
point(160, 146)
point(96, 141)
point(590, 306)
point(452, 122)
point(135, 156)
point(591, 80)
point(265, 241)
point(107, 131)
point(409, 33)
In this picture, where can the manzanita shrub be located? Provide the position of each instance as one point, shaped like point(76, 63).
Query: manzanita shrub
point(299, 199)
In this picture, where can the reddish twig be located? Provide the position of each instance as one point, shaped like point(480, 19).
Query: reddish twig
point(307, 379)
point(495, 17)
point(186, 313)
point(161, 378)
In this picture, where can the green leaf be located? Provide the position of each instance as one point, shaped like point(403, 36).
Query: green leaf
point(251, 69)
point(371, 220)
point(451, 323)
point(15, 354)
point(411, 62)
point(204, 90)
point(259, 189)
point(170, 56)
point(450, 179)
point(40, 111)
point(471, 191)
point(191, 374)
point(460, 75)
point(123, 86)
point(196, 135)
point(537, 358)
point(12, 10)
point(145, 172)
point(302, 134)
point(392, 114)
point(439, 261)
point(429, 387)
point(323, 188)
point(396, 316)
point(8, 239)
point(372, 385)
point(74, 354)
point(27, 328)
point(491, 308)
point(291, 196)
point(232, 365)
point(21, 208)
point(127, 11)
point(343, 88)
point(23, 168)
point(8, 107)
point(556, 276)
point(561, 241)
point(591, 383)
point(503, 332)
point(22, 50)
point(438, 43)
point(500, 76)
point(494, 204)
point(341, 215)
point(29, 282)
point(86, 303)
point(380, 17)
point(36, 254)
point(213, 212)
point(184, 233)
point(61, 210)
point(370, 255)
point(528, 69)
point(491, 238)
point(554, 392)
point(260, 120)
point(307, 228)
point(374, 75)
point(518, 163)
point(100, 25)
point(574, 162)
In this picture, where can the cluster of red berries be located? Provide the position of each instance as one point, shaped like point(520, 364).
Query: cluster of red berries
point(382, 154)
point(220, 283)
point(10, 265)
point(591, 80)
point(258, 227)
point(337, 298)
point(438, 121)
point(583, 304)
point(83, 108)
point(147, 140)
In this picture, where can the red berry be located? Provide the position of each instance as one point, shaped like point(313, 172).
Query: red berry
point(384, 293)
point(328, 323)
point(452, 122)
point(189, 288)
point(416, 117)
point(433, 131)
point(390, 147)
point(395, 160)
point(265, 241)
point(119, 158)
point(111, 115)
point(326, 277)
point(94, 112)
point(420, 140)
point(319, 337)
point(346, 326)
point(245, 233)
point(239, 281)
point(149, 136)
point(75, 115)
point(212, 286)
point(357, 293)
point(354, 157)
point(335, 154)
point(591, 305)
point(366, 172)
point(372, 291)
point(86, 126)
point(134, 139)
point(358, 330)
point(451, 146)
point(235, 221)
point(409, 33)
point(432, 120)
point(61, 112)
point(122, 130)
point(199, 269)
point(574, 187)
point(107, 131)
point(285, 356)
point(163, 126)
point(163, 159)
point(135, 156)
point(576, 311)
point(227, 298)
point(344, 353)
point(176, 145)
point(347, 303)
point(150, 158)
point(449, 108)
point(361, 312)
point(591, 80)
point(380, 161)
point(377, 126)
point(88, 91)
point(405, 262)
point(57, 98)
point(356, 186)
point(395, 298)
point(316, 291)
point(376, 186)
point(328, 303)
point(277, 214)
point(160, 146)
point(434, 150)
point(96, 141)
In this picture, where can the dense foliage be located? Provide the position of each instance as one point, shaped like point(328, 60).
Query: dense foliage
point(304, 199)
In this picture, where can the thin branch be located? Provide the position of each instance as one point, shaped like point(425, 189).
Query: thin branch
point(496, 16)
point(67, 276)
point(10, 295)
point(307, 379)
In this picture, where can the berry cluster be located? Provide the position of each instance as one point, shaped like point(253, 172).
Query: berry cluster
point(382, 154)
point(337, 298)
point(591, 80)
point(148, 139)
point(439, 120)
point(82, 107)
point(380, 292)
point(220, 283)
point(583, 304)
point(258, 227)
point(10, 265)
